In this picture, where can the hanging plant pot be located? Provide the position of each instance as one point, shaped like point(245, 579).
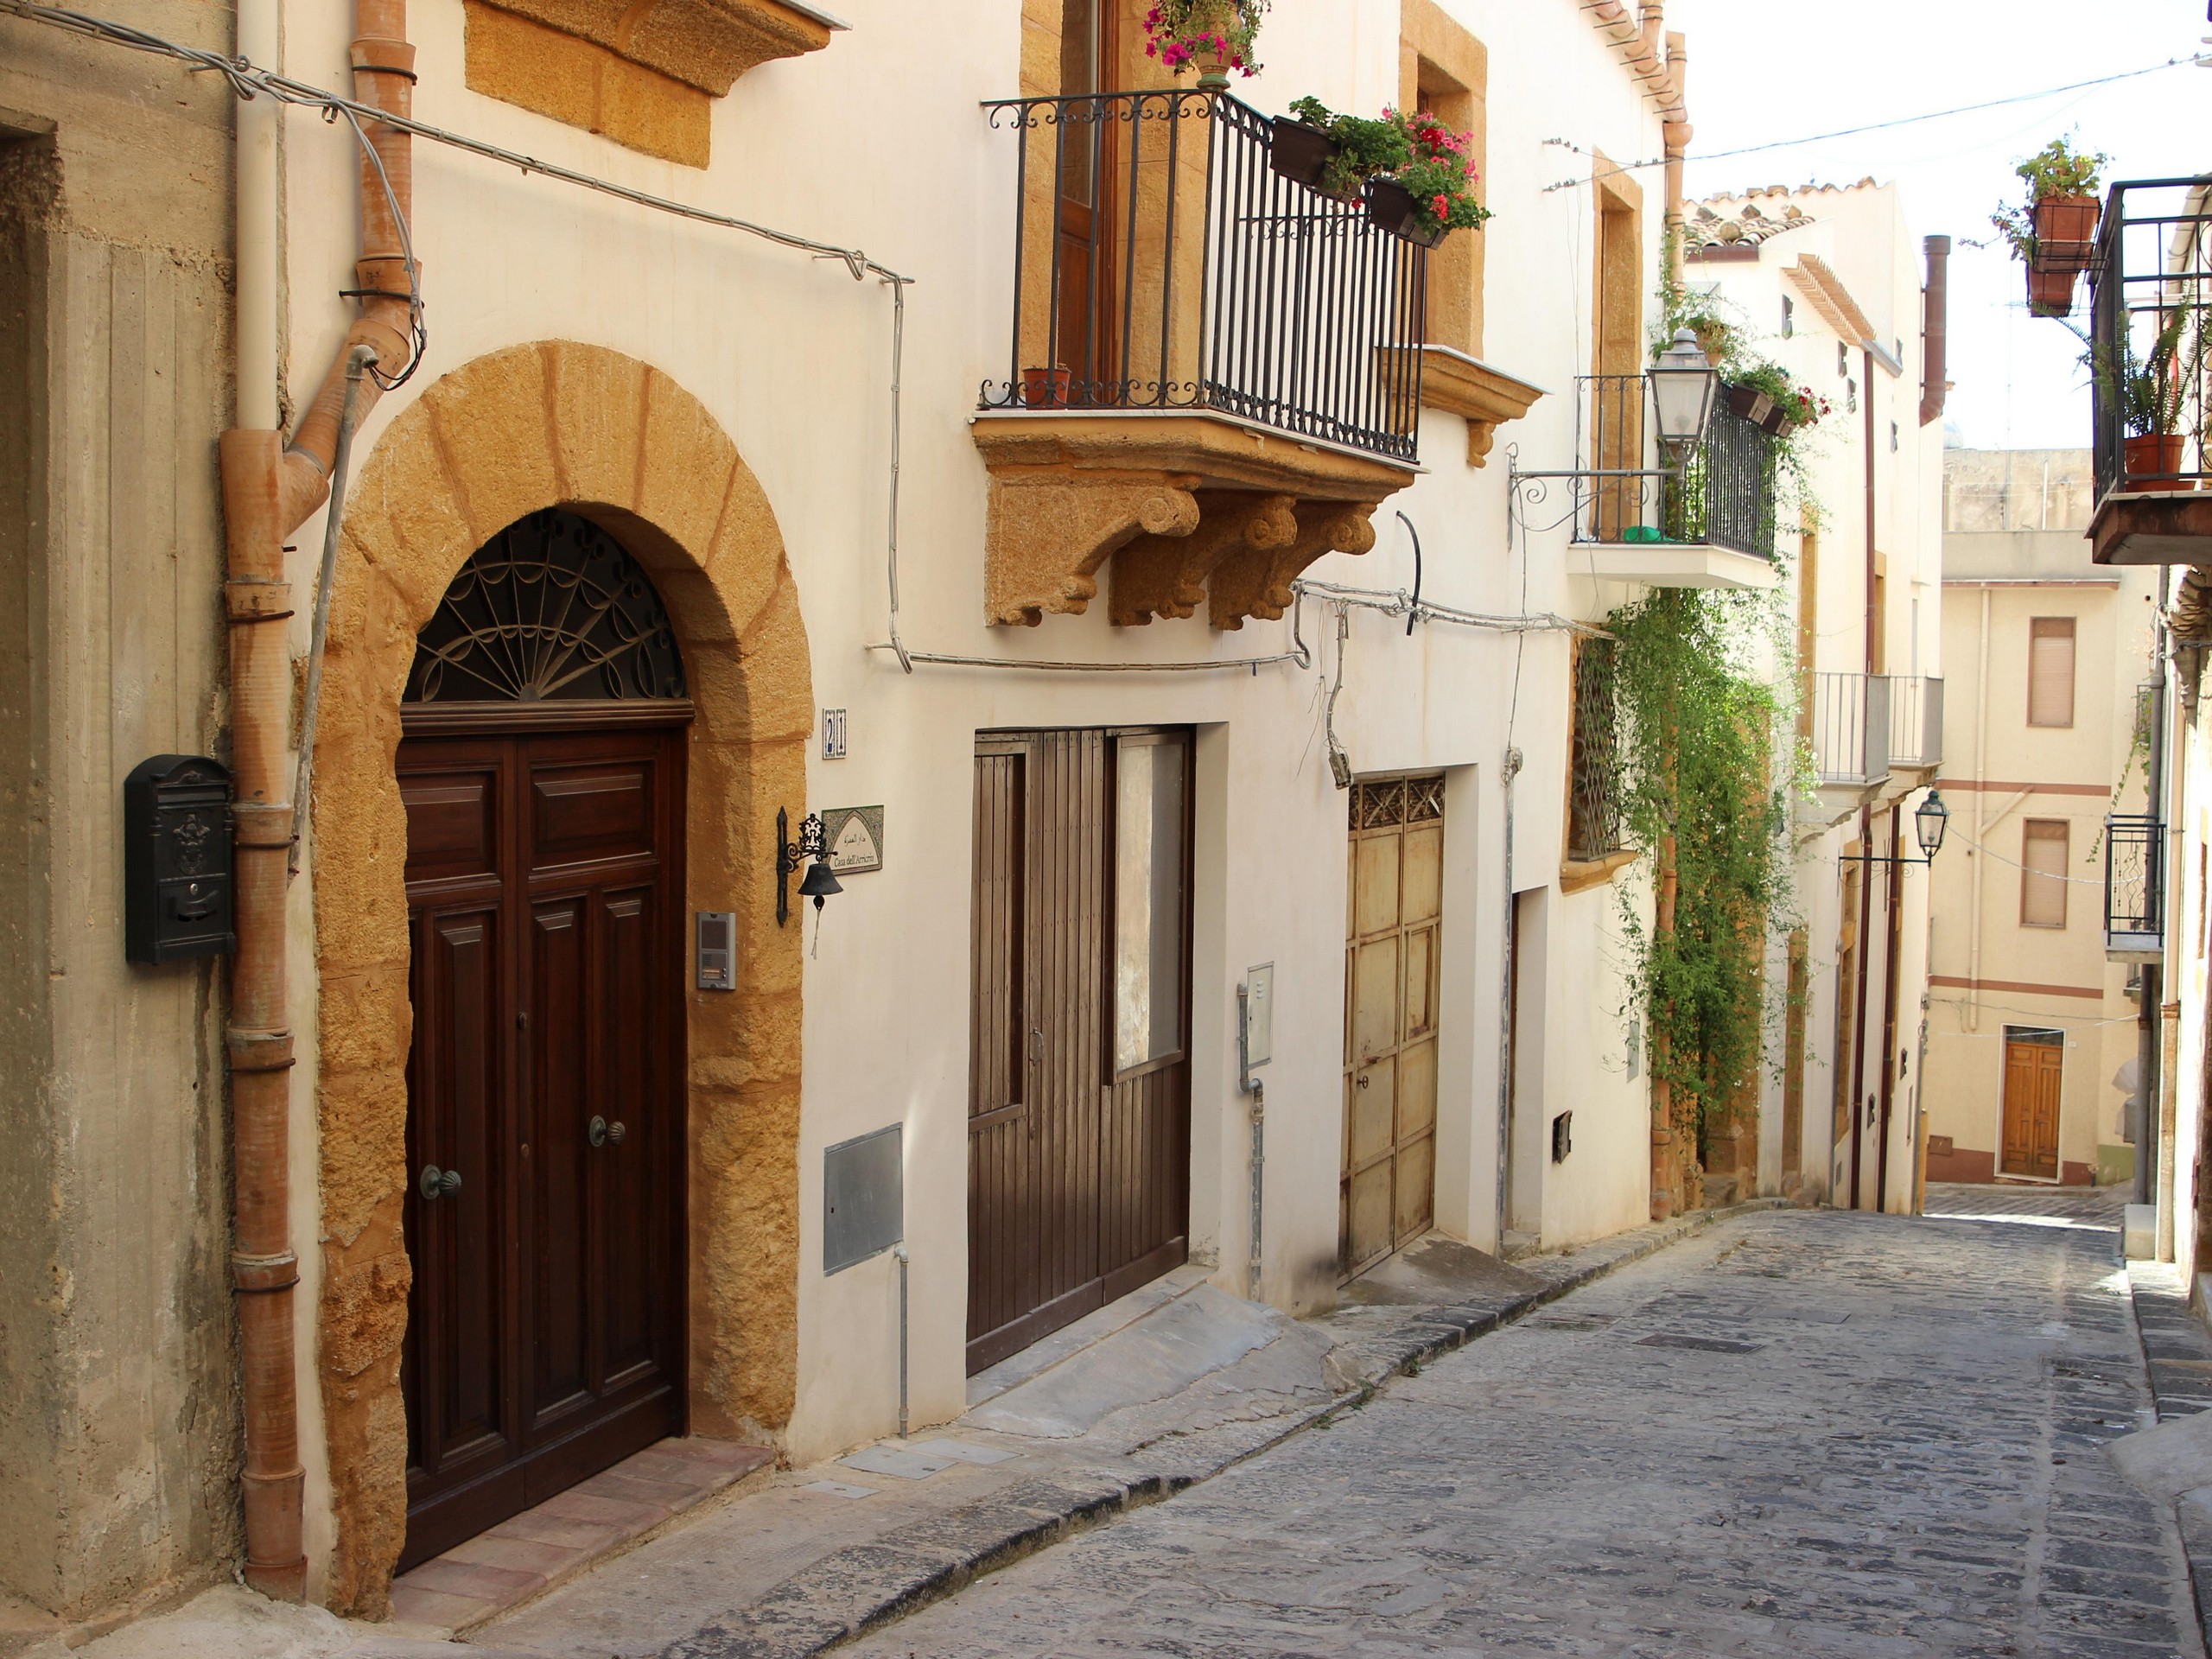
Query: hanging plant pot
point(2148, 456)
point(1751, 402)
point(1390, 207)
point(1046, 388)
point(2050, 293)
point(1300, 153)
point(2066, 233)
point(1776, 420)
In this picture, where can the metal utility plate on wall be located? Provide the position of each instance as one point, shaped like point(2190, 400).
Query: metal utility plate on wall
point(863, 1199)
point(852, 837)
point(1255, 1014)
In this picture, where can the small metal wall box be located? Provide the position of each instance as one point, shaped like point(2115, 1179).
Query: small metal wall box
point(717, 951)
point(863, 1198)
point(177, 858)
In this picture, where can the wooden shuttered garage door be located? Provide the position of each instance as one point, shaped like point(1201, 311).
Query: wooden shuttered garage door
point(1078, 1128)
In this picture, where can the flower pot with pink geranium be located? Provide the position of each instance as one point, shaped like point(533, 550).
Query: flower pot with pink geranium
point(1212, 36)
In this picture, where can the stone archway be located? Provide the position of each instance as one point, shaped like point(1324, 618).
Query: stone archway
point(556, 423)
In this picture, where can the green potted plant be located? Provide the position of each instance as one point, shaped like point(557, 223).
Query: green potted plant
point(1212, 36)
point(1763, 392)
point(2054, 232)
point(1349, 150)
point(1432, 194)
point(2151, 389)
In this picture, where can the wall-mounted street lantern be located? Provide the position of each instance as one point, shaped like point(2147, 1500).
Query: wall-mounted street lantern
point(1929, 819)
point(820, 881)
point(1928, 823)
point(1682, 387)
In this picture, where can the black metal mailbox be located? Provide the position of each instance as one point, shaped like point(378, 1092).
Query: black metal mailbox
point(177, 858)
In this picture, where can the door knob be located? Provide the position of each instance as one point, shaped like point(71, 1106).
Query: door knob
point(438, 1182)
point(601, 1132)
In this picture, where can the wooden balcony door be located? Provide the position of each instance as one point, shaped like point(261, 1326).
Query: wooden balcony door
point(1084, 255)
point(1393, 910)
point(1079, 1094)
point(2034, 1064)
point(545, 1327)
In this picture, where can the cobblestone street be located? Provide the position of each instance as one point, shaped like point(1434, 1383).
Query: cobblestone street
point(1802, 1432)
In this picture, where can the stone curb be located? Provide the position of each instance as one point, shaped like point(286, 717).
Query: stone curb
point(866, 1586)
point(2176, 1347)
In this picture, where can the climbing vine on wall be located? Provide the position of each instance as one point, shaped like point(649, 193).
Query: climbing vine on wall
point(1702, 791)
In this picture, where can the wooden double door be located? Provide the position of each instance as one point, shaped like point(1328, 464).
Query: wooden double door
point(2035, 1064)
point(544, 1210)
point(1079, 1090)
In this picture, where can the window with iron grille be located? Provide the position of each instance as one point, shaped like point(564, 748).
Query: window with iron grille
point(1594, 767)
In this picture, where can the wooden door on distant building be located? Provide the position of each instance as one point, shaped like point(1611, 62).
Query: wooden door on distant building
point(2034, 1063)
point(1393, 922)
point(1079, 1076)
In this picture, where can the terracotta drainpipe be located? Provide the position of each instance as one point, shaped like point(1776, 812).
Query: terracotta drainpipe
point(1675, 130)
point(267, 494)
point(1935, 327)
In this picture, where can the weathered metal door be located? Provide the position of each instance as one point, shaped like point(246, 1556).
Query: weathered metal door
point(1078, 1128)
point(2034, 1063)
point(1394, 909)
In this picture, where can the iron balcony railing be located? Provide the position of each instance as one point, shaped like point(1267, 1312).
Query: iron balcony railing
point(1916, 720)
point(1160, 263)
point(1724, 496)
point(1851, 728)
point(2150, 347)
point(2134, 884)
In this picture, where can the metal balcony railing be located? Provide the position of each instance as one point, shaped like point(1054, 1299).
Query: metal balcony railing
point(1916, 720)
point(1851, 728)
point(1161, 264)
point(1724, 498)
point(2149, 345)
point(2134, 885)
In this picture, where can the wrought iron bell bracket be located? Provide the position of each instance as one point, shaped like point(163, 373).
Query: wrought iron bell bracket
point(812, 843)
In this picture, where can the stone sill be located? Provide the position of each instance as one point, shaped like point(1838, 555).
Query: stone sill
point(1577, 875)
point(1673, 564)
point(1459, 385)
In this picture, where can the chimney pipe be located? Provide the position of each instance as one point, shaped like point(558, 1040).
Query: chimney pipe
point(1934, 305)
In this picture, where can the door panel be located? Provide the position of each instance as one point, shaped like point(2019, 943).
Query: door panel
point(1396, 882)
point(2034, 1074)
point(1078, 1177)
point(545, 1338)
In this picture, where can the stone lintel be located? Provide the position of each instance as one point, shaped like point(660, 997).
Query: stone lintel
point(1467, 386)
point(1180, 498)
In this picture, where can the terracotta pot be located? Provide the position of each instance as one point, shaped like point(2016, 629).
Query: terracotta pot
point(2066, 232)
point(2151, 454)
point(1390, 207)
point(1046, 388)
point(2050, 293)
point(1300, 153)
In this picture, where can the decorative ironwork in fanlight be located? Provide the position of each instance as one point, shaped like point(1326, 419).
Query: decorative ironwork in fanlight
point(1384, 802)
point(550, 609)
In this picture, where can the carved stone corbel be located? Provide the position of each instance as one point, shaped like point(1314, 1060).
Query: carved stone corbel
point(1164, 575)
point(1050, 532)
point(1253, 583)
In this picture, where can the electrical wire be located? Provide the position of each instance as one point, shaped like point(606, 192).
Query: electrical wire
point(1871, 126)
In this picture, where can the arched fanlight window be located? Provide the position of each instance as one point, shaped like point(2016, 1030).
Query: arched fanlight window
point(550, 609)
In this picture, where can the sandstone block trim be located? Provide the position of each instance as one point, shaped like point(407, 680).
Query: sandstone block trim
point(557, 423)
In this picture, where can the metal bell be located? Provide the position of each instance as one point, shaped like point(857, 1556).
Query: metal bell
point(820, 882)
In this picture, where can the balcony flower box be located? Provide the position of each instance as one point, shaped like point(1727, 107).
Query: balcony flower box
point(2066, 233)
point(1751, 403)
point(1299, 152)
point(1391, 208)
point(2050, 293)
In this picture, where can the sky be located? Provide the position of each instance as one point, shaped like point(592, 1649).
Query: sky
point(1762, 70)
